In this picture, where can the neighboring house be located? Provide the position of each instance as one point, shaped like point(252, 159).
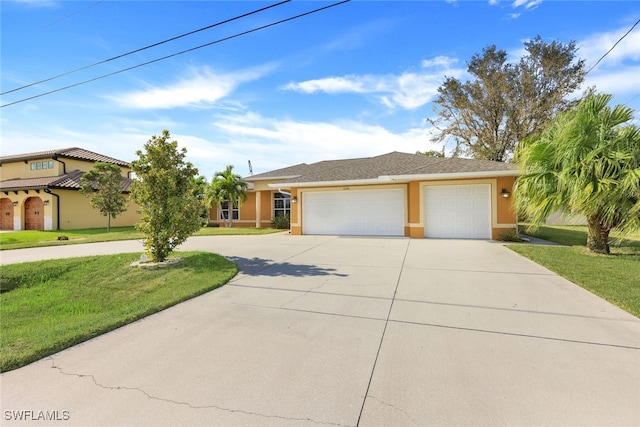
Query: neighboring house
point(40, 191)
point(395, 194)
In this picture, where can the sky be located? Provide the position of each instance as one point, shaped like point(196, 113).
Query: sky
point(354, 80)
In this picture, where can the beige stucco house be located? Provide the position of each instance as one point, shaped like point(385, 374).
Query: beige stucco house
point(395, 194)
point(40, 191)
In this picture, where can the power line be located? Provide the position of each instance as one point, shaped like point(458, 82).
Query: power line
point(612, 47)
point(226, 21)
point(177, 53)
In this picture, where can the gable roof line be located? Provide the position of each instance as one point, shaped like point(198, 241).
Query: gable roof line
point(67, 153)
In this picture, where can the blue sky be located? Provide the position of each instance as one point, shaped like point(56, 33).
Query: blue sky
point(355, 80)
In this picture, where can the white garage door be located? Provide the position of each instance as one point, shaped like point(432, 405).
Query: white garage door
point(458, 211)
point(354, 213)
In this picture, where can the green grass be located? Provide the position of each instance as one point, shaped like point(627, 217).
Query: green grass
point(614, 277)
point(33, 238)
point(47, 306)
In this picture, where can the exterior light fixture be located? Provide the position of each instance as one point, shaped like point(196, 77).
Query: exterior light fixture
point(15, 203)
point(505, 193)
point(295, 199)
point(46, 202)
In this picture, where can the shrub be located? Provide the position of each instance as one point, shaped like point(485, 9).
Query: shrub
point(282, 222)
point(510, 236)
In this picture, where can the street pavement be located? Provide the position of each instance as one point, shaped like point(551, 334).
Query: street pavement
point(347, 331)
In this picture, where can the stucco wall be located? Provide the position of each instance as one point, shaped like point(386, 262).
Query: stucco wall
point(23, 170)
point(75, 211)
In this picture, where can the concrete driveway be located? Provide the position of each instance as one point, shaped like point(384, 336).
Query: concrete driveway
point(349, 332)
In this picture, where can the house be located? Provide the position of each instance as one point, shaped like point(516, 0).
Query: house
point(40, 191)
point(395, 194)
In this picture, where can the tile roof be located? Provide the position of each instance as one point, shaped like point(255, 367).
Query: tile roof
point(390, 164)
point(70, 153)
point(68, 181)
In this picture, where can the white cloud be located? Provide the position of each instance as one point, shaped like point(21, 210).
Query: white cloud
point(528, 4)
point(628, 49)
point(201, 87)
point(439, 61)
point(617, 81)
point(261, 139)
point(408, 90)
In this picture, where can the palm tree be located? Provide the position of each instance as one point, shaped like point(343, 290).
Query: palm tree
point(227, 188)
point(586, 162)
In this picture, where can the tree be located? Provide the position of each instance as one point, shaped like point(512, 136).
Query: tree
point(431, 153)
point(164, 189)
point(103, 184)
point(505, 102)
point(227, 189)
point(586, 162)
point(200, 186)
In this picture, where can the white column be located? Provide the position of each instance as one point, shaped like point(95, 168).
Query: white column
point(258, 208)
point(17, 222)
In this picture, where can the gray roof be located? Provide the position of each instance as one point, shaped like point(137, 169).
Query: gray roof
point(70, 153)
point(68, 181)
point(390, 164)
point(300, 169)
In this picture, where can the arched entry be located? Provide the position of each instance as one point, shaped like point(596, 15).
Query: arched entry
point(6, 214)
point(33, 214)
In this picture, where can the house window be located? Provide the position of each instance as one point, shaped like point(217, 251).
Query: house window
point(36, 166)
point(224, 211)
point(281, 204)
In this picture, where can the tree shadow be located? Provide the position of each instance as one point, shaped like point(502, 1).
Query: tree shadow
point(264, 267)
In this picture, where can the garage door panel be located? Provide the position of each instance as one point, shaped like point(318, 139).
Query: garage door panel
point(457, 211)
point(366, 212)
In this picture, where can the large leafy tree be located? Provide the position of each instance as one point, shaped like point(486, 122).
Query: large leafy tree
point(227, 189)
point(103, 184)
point(586, 162)
point(165, 190)
point(504, 102)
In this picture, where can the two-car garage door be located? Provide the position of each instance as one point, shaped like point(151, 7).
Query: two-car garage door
point(457, 211)
point(449, 211)
point(354, 212)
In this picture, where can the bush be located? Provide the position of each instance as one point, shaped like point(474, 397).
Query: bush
point(282, 222)
point(510, 236)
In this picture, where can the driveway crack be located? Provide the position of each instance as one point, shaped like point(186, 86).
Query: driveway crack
point(406, 414)
point(92, 378)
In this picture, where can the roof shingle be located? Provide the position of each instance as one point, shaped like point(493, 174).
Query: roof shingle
point(68, 181)
point(390, 164)
point(70, 153)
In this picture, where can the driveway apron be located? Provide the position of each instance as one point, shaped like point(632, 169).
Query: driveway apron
point(324, 330)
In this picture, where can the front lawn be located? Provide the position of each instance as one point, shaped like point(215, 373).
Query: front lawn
point(613, 277)
point(34, 238)
point(47, 306)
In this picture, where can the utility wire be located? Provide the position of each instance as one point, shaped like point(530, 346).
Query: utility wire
point(226, 21)
point(177, 53)
point(612, 47)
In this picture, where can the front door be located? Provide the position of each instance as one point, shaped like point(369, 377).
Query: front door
point(6, 214)
point(33, 214)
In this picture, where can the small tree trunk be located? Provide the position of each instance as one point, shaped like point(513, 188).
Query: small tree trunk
point(598, 237)
point(108, 223)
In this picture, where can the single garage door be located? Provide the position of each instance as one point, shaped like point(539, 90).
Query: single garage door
point(354, 212)
point(457, 211)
